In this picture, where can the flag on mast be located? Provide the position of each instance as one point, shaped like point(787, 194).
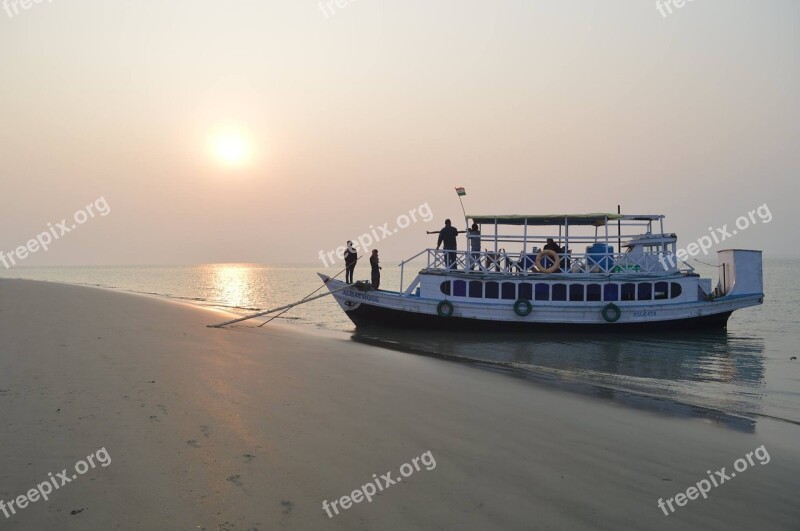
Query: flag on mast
point(461, 192)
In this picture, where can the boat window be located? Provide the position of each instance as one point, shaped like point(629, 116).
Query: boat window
point(559, 292)
point(509, 290)
point(526, 291)
point(459, 288)
point(628, 292)
point(476, 289)
point(675, 290)
point(576, 292)
point(445, 287)
point(542, 292)
point(492, 290)
point(593, 292)
point(661, 291)
point(645, 291)
point(610, 292)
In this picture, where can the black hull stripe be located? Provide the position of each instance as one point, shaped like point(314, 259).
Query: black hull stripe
point(367, 315)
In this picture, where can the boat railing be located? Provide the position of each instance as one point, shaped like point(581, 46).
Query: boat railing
point(407, 260)
point(523, 264)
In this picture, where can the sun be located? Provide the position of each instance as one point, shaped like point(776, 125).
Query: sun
point(231, 148)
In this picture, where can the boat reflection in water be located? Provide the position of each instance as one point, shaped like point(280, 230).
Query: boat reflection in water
point(712, 375)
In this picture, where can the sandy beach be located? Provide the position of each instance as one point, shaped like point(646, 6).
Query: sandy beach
point(253, 428)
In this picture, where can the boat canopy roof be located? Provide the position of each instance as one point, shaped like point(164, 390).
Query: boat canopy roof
point(597, 219)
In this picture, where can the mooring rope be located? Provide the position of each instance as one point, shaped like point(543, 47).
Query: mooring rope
point(286, 308)
point(706, 263)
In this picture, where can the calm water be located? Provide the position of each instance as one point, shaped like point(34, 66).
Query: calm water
point(733, 377)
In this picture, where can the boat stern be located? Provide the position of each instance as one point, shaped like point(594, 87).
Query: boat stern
point(740, 273)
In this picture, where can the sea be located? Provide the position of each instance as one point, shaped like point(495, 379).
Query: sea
point(733, 377)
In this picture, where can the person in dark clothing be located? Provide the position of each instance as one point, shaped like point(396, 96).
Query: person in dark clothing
point(474, 238)
point(447, 236)
point(350, 259)
point(376, 269)
point(553, 246)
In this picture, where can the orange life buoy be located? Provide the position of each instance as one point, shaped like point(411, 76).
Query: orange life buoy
point(553, 256)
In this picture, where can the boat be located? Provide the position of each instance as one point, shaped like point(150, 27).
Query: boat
point(630, 277)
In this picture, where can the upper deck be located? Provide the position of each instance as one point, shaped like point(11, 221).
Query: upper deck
point(599, 244)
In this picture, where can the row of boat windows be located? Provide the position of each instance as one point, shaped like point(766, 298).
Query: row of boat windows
point(628, 291)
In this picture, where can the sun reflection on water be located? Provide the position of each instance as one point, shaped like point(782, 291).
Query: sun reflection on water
point(238, 285)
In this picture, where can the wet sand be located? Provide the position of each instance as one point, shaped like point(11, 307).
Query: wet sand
point(247, 428)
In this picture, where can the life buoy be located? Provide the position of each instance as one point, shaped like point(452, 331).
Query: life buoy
point(553, 256)
point(444, 309)
point(608, 309)
point(522, 307)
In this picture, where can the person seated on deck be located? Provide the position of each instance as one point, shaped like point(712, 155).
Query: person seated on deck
point(492, 260)
point(500, 261)
point(553, 246)
point(507, 263)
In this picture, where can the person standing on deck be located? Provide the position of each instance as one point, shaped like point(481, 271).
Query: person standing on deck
point(474, 238)
point(350, 259)
point(376, 269)
point(447, 236)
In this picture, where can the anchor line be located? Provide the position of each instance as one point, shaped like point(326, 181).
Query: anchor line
point(286, 308)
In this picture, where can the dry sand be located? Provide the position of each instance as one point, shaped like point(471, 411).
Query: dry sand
point(249, 428)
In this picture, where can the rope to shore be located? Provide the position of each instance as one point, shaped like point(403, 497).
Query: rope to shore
point(706, 263)
point(286, 308)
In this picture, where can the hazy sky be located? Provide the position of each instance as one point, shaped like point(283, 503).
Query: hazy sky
point(351, 119)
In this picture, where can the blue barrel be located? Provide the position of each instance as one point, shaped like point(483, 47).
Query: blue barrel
point(598, 254)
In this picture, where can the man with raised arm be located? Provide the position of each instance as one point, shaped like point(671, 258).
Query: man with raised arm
point(447, 236)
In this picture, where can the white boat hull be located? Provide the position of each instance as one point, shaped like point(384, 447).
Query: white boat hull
point(394, 309)
point(464, 299)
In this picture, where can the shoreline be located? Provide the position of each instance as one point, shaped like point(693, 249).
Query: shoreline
point(224, 311)
point(648, 402)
